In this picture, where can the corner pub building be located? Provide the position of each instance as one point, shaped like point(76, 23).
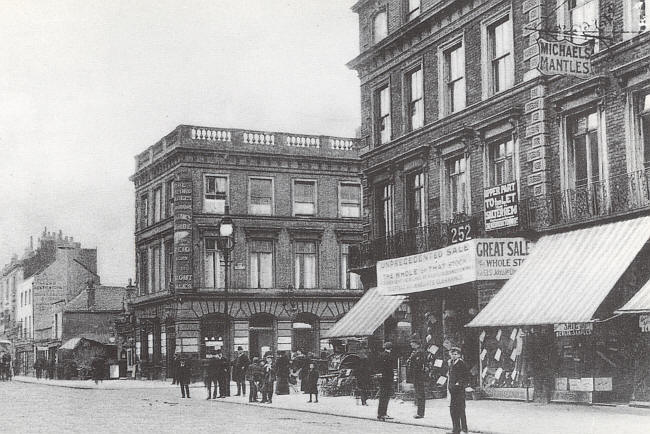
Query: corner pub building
point(465, 143)
point(295, 204)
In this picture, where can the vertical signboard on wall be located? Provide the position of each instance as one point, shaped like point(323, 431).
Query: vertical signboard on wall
point(183, 278)
point(501, 206)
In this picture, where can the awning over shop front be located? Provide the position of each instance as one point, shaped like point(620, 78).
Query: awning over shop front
point(567, 276)
point(366, 315)
point(640, 303)
point(70, 344)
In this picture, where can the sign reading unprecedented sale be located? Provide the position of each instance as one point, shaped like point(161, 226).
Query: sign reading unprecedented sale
point(501, 206)
point(565, 58)
point(183, 233)
point(477, 259)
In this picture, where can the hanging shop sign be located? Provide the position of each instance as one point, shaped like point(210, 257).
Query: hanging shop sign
point(477, 259)
point(565, 58)
point(501, 206)
point(644, 322)
point(183, 277)
point(573, 329)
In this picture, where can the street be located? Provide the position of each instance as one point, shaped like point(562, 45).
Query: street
point(38, 408)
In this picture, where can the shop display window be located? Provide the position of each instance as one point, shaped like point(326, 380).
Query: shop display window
point(502, 363)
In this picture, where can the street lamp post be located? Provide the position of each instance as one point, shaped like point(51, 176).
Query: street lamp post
point(226, 244)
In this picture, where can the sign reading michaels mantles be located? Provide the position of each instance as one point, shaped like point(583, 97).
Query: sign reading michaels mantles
point(565, 58)
point(183, 277)
point(501, 206)
point(477, 259)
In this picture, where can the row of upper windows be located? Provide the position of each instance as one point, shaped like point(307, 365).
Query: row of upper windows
point(499, 76)
point(261, 198)
point(580, 18)
point(583, 162)
point(156, 266)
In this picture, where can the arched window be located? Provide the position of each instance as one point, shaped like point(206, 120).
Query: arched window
point(379, 26)
point(215, 335)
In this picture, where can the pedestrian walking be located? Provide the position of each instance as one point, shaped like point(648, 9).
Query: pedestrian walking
point(223, 375)
point(239, 371)
point(253, 376)
point(416, 370)
point(174, 367)
point(458, 378)
point(386, 364)
point(183, 377)
point(282, 368)
point(268, 380)
point(211, 375)
point(97, 367)
point(361, 373)
point(312, 382)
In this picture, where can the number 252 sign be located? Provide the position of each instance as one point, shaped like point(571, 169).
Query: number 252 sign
point(459, 232)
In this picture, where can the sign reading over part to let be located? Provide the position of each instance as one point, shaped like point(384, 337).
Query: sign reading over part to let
point(573, 329)
point(183, 232)
point(565, 58)
point(501, 206)
point(477, 259)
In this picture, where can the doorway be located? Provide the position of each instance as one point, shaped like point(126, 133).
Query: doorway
point(262, 334)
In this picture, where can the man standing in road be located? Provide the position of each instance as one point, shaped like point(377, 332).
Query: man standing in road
point(457, 381)
point(416, 371)
point(212, 375)
point(386, 383)
point(223, 376)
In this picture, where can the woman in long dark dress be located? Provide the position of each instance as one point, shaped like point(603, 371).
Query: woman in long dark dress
point(282, 374)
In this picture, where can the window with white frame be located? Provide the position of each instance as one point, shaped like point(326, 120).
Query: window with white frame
point(501, 167)
point(644, 127)
point(385, 210)
point(379, 26)
point(163, 343)
point(382, 115)
point(457, 191)
point(150, 345)
point(169, 262)
point(304, 197)
point(583, 151)
point(261, 263)
point(156, 269)
point(415, 99)
point(416, 200)
point(583, 20)
point(260, 200)
point(349, 200)
point(144, 210)
point(412, 9)
point(157, 204)
point(501, 71)
point(454, 78)
point(636, 17)
point(169, 202)
point(213, 265)
point(144, 271)
point(349, 280)
point(215, 194)
point(305, 264)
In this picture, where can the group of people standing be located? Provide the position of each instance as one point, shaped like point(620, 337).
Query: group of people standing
point(5, 367)
point(264, 376)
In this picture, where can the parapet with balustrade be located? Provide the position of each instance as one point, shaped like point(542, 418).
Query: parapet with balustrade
point(239, 140)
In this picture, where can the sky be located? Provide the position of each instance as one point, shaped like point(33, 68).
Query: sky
point(86, 85)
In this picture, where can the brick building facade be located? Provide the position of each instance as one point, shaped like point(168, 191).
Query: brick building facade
point(296, 205)
point(453, 105)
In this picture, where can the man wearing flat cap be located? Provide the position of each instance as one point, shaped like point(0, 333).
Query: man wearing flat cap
point(386, 363)
point(458, 378)
point(417, 373)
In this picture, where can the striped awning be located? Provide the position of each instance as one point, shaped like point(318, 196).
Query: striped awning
point(567, 276)
point(640, 303)
point(366, 315)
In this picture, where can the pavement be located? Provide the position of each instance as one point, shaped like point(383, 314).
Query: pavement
point(485, 416)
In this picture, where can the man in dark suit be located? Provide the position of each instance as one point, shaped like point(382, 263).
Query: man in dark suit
point(458, 379)
point(223, 375)
point(385, 364)
point(212, 375)
point(239, 371)
point(417, 374)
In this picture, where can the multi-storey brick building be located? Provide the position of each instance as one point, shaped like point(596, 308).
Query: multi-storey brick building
point(296, 205)
point(57, 270)
point(463, 137)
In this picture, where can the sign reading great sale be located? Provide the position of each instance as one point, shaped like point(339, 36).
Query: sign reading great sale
point(478, 259)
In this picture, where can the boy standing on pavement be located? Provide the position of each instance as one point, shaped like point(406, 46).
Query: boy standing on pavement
point(458, 378)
